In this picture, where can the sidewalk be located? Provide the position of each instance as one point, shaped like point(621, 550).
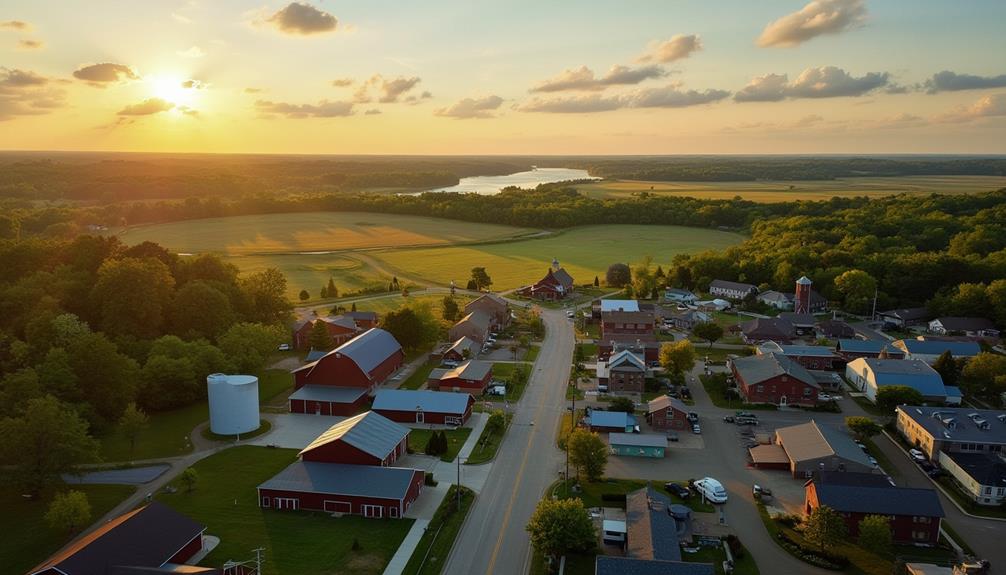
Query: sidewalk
point(401, 557)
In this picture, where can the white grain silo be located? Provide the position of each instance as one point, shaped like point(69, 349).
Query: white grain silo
point(233, 403)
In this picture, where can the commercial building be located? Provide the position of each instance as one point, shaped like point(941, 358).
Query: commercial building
point(623, 371)
point(637, 444)
point(611, 421)
point(774, 378)
point(870, 375)
point(812, 447)
point(667, 413)
point(952, 429)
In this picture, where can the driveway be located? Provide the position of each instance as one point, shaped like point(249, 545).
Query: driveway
point(295, 430)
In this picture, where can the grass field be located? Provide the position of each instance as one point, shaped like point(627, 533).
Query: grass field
point(438, 539)
point(418, 438)
point(584, 252)
point(296, 542)
point(27, 539)
point(311, 271)
point(788, 191)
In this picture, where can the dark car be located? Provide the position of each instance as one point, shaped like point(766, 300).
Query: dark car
point(926, 466)
point(686, 393)
point(693, 417)
point(728, 418)
point(677, 489)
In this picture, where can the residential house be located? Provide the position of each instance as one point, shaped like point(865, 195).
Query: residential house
point(810, 356)
point(462, 349)
point(475, 325)
point(776, 299)
point(646, 346)
point(637, 444)
point(608, 421)
point(774, 378)
point(812, 447)
point(929, 350)
point(982, 476)
point(557, 284)
point(869, 375)
point(471, 376)
point(760, 330)
point(851, 349)
point(906, 317)
point(914, 515)
point(835, 329)
point(423, 406)
point(340, 328)
point(678, 295)
point(969, 326)
point(494, 305)
point(935, 430)
point(667, 413)
point(731, 290)
point(623, 371)
point(712, 305)
point(803, 323)
point(686, 320)
point(364, 319)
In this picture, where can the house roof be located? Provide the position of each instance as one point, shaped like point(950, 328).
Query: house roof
point(638, 439)
point(615, 565)
point(965, 323)
point(797, 318)
point(370, 432)
point(907, 314)
point(488, 298)
point(775, 296)
point(367, 350)
point(853, 478)
point(343, 479)
point(867, 346)
point(361, 315)
point(836, 328)
point(665, 401)
point(937, 347)
point(984, 468)
point(340, 320)
point(563, 277)
point(627, 316)
point(811, 440)
point(797, 350)
point(428, 401)
point(479, 318)
point(724, 284)
point(877, 499)
point(625, 359)
point(144, 537)
point(314, 355)
point(463, 343)
point(767, 328)
point(768, 454)
point(329, 393)
point(758, 368)
point(960, 423)
point(611, 419)
point(608, 305)
point(913, 373)
point(651, 531)
point(472, 369)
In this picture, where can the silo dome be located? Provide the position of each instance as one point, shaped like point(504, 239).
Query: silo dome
point(233, 403)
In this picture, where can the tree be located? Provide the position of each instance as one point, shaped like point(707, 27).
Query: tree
point(496, 422)
point(858, 288)
point(622, 404)
point(406, 326)
point(875, 534)
point(824, 527)
point(319, 338)
point(132, 422)
point(588, 453)
point(891, 396)
point(947, 368)
point(481, 278)
point(708, 331)
point(618, 275)
point(677, 357)
point(597, 281)
point(107, 379)
point(323, 293)
point(247, 346)
point(985, 375)
point(189, 479)
point(450, 306)
point(264, 297)
point(175, 372)
point(560, 526)
point(862, 427)
point(330, 289)
point(131, 296)
point(199, 309)
point(304, 295)
point(472, 285)
point(643, 281)
point(68, 511)
point(50, 439)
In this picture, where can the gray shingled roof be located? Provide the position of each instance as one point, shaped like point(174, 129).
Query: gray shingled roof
point(614, 565)
point(758, 368)
point(340, 320)
point(879, 500)
point(369, 432)
point(724, 284)
point(329, 393)
point(479, 318)
point(637, 439)
point(472, 369)
point(797, 318)
point(564, 278)
point(908, 314)
point(428, 401)
point(463, 343)
point(343, 479)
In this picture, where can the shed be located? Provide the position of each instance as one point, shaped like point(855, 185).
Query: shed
point(769, 456)
point(421, 406)
point(617, 421)
point(637, 444)
point(328, 400)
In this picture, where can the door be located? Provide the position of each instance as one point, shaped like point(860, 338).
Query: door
point(419, 416)
point(782, 401)
point(373, 511)
point(393, 512)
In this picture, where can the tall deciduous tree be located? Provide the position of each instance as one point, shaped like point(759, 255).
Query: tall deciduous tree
point(131, 296)
point(248, 345)
point(133, 421)
point(946, 366)
point(618, 275)
point(862, 427)
point(824, 527)
point(68, 511)
point(560, 526)
point(677, 357)
point(891, 396)
point(588, 453)
point(107, 379)
point(622, 404)
point(450, 306)
point(708, 331)
point(858, 288)
point(200, 309)
point(264, 295)
point(985, 375)
point(875, 534)
point(481, 278)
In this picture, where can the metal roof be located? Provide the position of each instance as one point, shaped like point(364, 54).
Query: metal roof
point(811, 440)
point(984, 468)
point(343, 479)
point(935, 347)
point(611, 419)
point(329, 393)
point(913, 373)
point(615, 565)
point(663, 401)
point(637, 439)
point(619, 305)
point(472, 369)
point(772, 295)
point(369, 432)
point(724, 284)
point(428, 401)
point(314, 355)
point(867, 346)
point(960, 423)
point(886, 500)
point(367, 350)
point(758, 368)
point(965, 323)
point(623, 357)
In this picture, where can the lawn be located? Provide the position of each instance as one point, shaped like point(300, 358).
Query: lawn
point(583, 251)
point(419, 377)
point(488, 444)
point(589, 350)
point(592, 493)
point(769, 191)
point(28, 540)
point(744, 565)
point(435, 545)
point(532, 353)
point(295, 542)
point(310, 271)
point(394, 302)
point(502, 372)
point(716, 386)
point(418, 438)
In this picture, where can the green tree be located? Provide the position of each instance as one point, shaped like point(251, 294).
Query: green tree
point(891, 396)
point(304, 295)
point(561, 526)
point(131, 296)
point(862, 427)
point(323, 293)
point(264, 297)
point(708, 331)
point(247, 346)
point(481, 278)
point(413, 326)
point(107, 379)
point(319, 338)
point(677, 357)
point(875, 534)
point(946, 366)
point(643, 281)
point(597, 281)
point(189, 479)
point(824, 527)
point(618, 275)
point(858, 288)
point(622, 404)
point(201, 310)
point(496, 422)
point(331, 290)
point(68, 511)
point(451, 309)
point(133, 421)
point(175, 372)
point(588, 453)
point(985, 375)
point(16, 389)
point(49, 439)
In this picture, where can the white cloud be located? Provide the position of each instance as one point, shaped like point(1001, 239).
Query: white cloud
point(947, 81)
point(469, 108)
point(302, 19)
point(664, 97)
point(815, 19)
point(193, 52)
point(823, 82)
point(678, 47)
point(583, 79)
point(323, 109)
point(147, 107)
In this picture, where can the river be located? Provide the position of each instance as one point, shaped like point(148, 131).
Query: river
point(490, 185)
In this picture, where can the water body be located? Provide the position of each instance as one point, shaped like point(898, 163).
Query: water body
point(490, 185)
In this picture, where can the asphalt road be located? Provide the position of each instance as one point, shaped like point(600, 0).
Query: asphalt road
point(493, 539)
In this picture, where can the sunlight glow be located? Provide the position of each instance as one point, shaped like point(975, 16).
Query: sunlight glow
point(172, 88)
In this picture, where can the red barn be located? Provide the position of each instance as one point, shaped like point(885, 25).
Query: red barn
point(492, 304)
point(364, 362)
point(145, 538)
point(365, 439)
point(774, 378)
point(329, 400)
point(471, 376)
point(421, 406)
point(340, 328)
point(364, 319)
point(667, 413)
point(914, 514)
point(557, 284)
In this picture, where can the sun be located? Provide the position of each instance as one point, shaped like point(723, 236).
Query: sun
point(174, 89)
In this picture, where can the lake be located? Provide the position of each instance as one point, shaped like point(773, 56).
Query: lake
point(489, 185)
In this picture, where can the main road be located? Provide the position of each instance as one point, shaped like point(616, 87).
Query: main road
point(493, 539)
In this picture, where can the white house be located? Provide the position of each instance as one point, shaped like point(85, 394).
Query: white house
point(731, 290)
point(680, 296)
point(776, 299)
point(969, 326)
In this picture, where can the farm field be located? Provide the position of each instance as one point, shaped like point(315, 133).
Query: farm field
point(787, 191)
point(311, 271)
point(584, 252)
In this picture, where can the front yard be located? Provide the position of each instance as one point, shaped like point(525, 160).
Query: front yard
point(716, 386)
point(611, 492)
point(419, 377)
point(515, 386)
point(488, 443)
point(418, 438)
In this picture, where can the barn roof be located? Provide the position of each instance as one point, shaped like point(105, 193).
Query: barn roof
point(144, 537)
point(850, 495)
point(369, 432)
point(428, 401)
point(329, 393)
point(936, 347)
point(367, 350)
point(343, 479)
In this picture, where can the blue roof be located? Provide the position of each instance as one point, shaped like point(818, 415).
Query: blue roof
point(866, 346)
point(934, 347)
point(807, 350)
point(611, 419)
point(428, 401)
point(614, 565)
point(315, 355)
point(329, 393)
point(953, 391)
point(619, 305)
point(913, 373)
point(343, 479)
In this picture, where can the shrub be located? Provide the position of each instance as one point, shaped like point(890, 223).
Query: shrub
point(428, 480)
point(613, 497)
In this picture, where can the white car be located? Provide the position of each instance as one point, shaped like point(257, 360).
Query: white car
point(917, 455)
point(873, 460)
point(284, 347)
point(570, 314)
point(711, 490)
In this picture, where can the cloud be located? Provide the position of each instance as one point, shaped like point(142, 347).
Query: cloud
point(25, 93)
point(584, 104)
point(193, 52)
point(193, 85)
point(30, 44)
point(13, 79)
point(426, 95)
point(342, 82)
point(372, 112)
point(823, 82)
point(181, 18)
point(468, 108)
point(99, 74)
point(303, 19)
point(392, 89)
point(947, 81)
point(323, 109)
point(253, 90)
point(677, 48)
point(18, 25)
point(672, 97)
point(147, 107)
point(815, 19)
point(583, 78)
point(993, 105)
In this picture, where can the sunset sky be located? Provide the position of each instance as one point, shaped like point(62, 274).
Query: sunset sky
point(479, 77)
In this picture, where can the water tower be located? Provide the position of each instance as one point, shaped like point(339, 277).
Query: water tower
point(801, 302)
point(233, 403)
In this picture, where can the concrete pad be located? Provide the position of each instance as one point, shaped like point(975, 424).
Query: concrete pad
point(132, 476)
point(295, 430)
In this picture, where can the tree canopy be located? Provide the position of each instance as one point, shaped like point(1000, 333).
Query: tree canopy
point(560, 526)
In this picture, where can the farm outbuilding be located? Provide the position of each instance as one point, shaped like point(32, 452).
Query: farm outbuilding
point(365, 439)
point(328, 400)
point(472, 376)
point(421, 406)
point(363, 362)
point(637, 444)
point(233, 401)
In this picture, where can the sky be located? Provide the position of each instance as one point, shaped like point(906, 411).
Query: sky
point(513, 77)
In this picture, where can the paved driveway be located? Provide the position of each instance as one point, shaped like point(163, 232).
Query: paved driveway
point(295, 430)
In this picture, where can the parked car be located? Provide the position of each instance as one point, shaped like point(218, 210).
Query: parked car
point(917, 455)
point(672, 436)
point(449, 363)
point(682, 307)
point(746, 421)
point(760, 492)
point(824, 397)
point(873, 461)
point(283, 347)
point(696, 429)
point(570, 314)
point(926, 466)
point(677, 489)
point(711, 489)
point(745, 414)
point(728, 418)
point(861, 445)
point(693, 417)
point(685, 393)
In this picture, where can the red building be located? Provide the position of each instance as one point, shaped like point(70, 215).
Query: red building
point(492, 304)
point(463, 348)
point(666, 412)
point(365, 439)
point(774, 378)
point(364, 319)
point(340, 328)
point(421, 406)
point(639, 324)
point(328, 400)
point(557, 284)
point(146, 538)
point(914, 514)
point(472, 376)
point(649, 348)
point(801, 299)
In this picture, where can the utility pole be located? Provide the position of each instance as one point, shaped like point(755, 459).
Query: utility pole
point(258, 560)
point(873, 315)
point(458, 486)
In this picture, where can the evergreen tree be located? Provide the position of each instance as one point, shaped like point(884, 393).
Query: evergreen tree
point(323, 293)
point(332, 291)
point(304, 296)
point(947, 368)
point(597, 281)
point(353, 307)
point(320, 339)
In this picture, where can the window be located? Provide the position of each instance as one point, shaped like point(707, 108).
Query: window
point(924, 520)
point(759, 388)
point(1000, 491)
point(988, 491)
point(806, 392)
point(265, 502)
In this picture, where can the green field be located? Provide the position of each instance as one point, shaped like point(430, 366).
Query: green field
point(787, 191)
point(296, 542)
point(311, 271)
point(584, 252)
